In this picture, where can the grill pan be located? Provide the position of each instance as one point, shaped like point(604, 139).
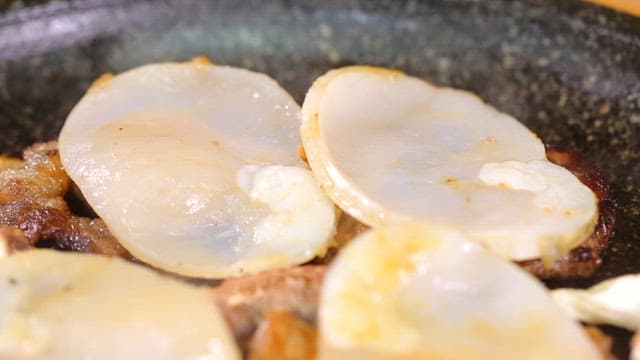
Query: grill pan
point(569, 70)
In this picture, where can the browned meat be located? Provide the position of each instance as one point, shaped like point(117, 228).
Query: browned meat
point(348, 228)
point(245, 300)
point(10, 163)
point(90, 235)
point(12, 240)
point(273, 314)
point(40, 178)
point(282, 335)
point(602, 341)
point(32, 200)
point(586, 258)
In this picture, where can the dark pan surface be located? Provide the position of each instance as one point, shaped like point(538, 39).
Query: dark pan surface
point(569, 70)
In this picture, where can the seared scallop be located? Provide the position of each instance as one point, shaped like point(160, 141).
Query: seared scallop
point(59, 306)
point(421, 291)
point(195, 169)
point(389, 148)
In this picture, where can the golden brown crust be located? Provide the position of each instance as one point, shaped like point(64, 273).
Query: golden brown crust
point(32, 200)
point(282, 335)
point(10, 163)
point(90, 235)
point(40, 179)
point(12, 240)
point(245, 300)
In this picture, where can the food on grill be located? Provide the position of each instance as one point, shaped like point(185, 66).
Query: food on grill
point(21, 179)
point(581, 261)
point(34, 211)
point(584, 259)
point(195, 169)
point(283, 336)
point(274, 313)
point(56, 305)
point(441, 155)
point(11, 240)
point(245, 300)
point(424, 291)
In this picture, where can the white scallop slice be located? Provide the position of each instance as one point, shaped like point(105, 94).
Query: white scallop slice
point(417, 292)
point(60, 306)
point(161, 153)
point(390, 148)
point(615, 301)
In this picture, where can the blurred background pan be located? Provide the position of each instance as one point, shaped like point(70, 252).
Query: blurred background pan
point(568, 69)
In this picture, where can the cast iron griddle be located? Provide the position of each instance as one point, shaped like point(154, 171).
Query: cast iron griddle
point(570, 71)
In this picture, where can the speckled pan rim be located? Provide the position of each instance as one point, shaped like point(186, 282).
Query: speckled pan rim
point(586, 99)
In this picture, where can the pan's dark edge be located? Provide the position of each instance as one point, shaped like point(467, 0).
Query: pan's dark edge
point(604, 19)
point(569, 70)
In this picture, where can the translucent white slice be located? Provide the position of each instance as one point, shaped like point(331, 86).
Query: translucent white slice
point(158, 152)
point(389, 148)
point(615, 302)
point(60, 306)
point(417, 292)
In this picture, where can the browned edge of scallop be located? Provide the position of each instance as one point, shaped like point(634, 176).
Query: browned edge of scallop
point(582, 261)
